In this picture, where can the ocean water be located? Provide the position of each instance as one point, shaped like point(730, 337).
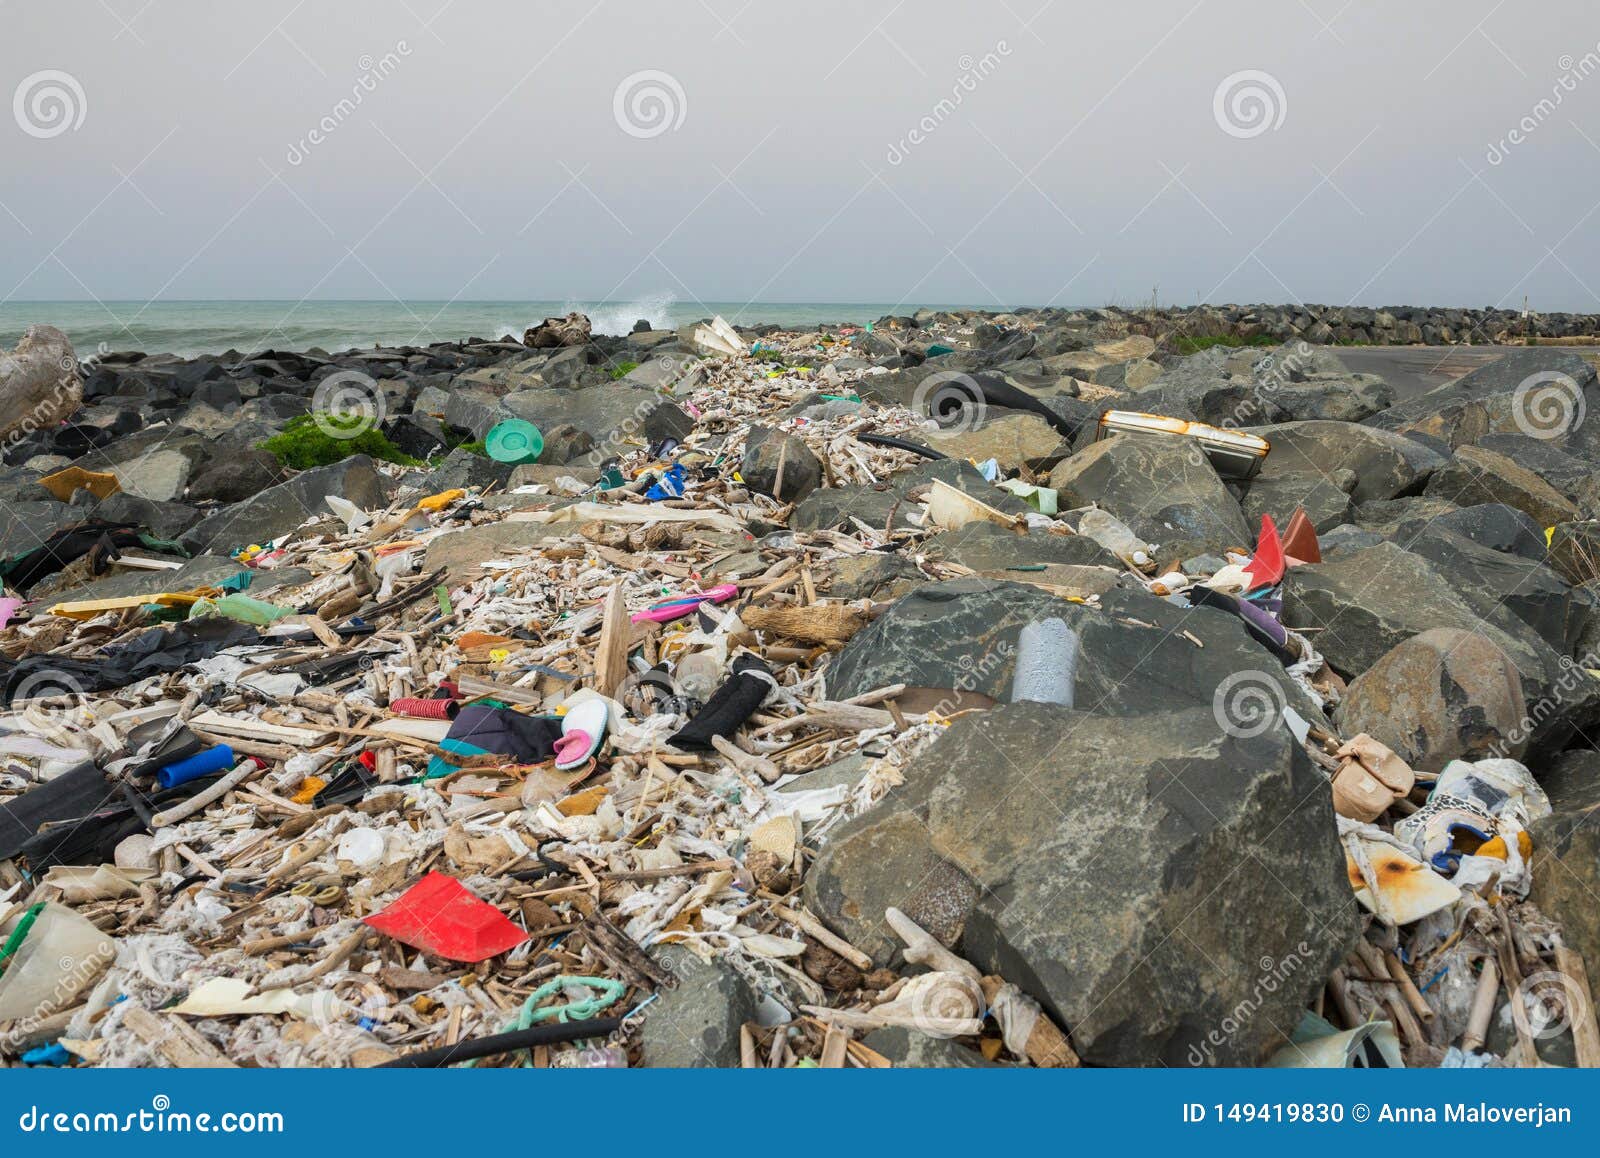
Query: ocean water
point(189, 328)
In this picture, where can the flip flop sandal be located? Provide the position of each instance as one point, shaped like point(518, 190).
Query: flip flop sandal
point(582, 730)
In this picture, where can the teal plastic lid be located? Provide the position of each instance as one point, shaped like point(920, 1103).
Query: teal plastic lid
point(514, 441)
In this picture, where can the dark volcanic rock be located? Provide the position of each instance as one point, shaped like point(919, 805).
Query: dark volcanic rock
point(1324, 497)
point(1489, 581)
point(1162, 487)
point(1481, 476)
point(280, 509)
point(962, 635)
point(985, 546)
point(1386, 465)
point(780, 465)
point(164, 520)
point(1492, 525)
point(1364, 603)
point(236, 477)
point(1542, 392)
point(1122, 875)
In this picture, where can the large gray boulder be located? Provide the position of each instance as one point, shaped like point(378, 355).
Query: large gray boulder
point(1325, 498)
point(25, 525)
point(1492, 525)
point(1162, 487)
point(278, 510)
point(1574, 477)
point(1145, 883)
point(1478, 476)
point(1364, 603)
point(962, 635)
point(1540, 392)
point(1491, 582)
point(155, 463)
point(1385, 464)
point(1445, 694)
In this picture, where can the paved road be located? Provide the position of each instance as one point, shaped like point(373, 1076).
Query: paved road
point(1413, 370)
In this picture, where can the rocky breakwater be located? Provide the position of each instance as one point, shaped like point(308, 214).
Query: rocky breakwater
point(828, 817)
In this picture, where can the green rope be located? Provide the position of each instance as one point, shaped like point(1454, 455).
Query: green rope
point(583, 1009)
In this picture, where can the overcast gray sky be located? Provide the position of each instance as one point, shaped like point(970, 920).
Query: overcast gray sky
point(1000, 152)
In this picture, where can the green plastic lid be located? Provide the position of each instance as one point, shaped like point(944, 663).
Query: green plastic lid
point(514, 441)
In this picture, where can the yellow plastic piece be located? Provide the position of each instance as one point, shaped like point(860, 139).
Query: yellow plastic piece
point(441, 500)
point(62, 484)
point(89, 608)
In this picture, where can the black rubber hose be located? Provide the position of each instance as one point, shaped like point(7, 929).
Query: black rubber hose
point(551, 1033)
point(900, 444)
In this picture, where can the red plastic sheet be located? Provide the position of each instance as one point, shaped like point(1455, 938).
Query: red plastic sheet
point(1266, 568)
point(439, 915)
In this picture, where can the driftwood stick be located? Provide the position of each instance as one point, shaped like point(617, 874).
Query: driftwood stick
point(247, 768)
point(818, 931)
point(1482, 1007)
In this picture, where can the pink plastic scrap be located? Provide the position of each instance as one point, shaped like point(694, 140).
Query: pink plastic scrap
point(8, 608)
point(439, 915)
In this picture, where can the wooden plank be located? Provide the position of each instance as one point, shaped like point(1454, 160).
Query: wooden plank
point(179, 1043)
point(1585, 1029)
point(616, 636)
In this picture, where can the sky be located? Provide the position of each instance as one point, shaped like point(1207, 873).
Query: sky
point(1003, 153)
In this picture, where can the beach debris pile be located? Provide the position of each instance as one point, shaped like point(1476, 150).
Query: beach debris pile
point(959, 690)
